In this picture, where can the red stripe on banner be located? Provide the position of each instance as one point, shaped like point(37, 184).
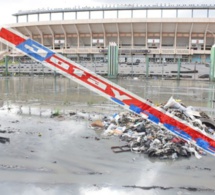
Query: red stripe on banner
point(57, 62)
point(164, 118)
point(105, 87)
point(78, 73)
point(11, 37)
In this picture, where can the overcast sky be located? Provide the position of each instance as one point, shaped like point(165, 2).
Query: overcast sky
point(8, 7)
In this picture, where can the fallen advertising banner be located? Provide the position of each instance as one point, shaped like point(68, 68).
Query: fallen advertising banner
point(107, 89)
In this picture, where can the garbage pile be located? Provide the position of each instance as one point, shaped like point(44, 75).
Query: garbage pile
point(143, 136)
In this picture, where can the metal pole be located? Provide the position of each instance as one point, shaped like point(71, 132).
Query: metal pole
point(19, 66)
point(132, 68)
point(112, 60)
point(179, 69)
point(147, 66)
point(6, 65)
point(116, 61)
point(162, 69)
point(212, 65)
point(195, 71)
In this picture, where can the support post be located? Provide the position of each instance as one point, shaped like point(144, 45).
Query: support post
point(179, 69)
point(6, 65)
point(147, 66)
point(112, 60)
point(212, 65)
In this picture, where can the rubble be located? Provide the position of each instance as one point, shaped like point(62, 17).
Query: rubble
point(142, 136)
point(4, 140)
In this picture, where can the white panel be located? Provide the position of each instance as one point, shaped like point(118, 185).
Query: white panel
point(32, 18)
point(83, 15)
point(56, 16)
point(69, 16)
point(22, 19)
point(44, 17)
point(184, 13)
point(96, 15)
point(154, 13)
point(125, 14)
point(110, 14)
point(169, 13)
point(139, 14)
point(200, 13)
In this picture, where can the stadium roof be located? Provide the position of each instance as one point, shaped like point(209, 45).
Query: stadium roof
point(117, 7)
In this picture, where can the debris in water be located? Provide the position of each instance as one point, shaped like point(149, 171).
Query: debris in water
point(142, 136)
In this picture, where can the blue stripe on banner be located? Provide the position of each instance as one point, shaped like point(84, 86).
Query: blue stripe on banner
point(168, 126)
point(178, 131)
point(138, 110)
point(117, 101)
point(135, 109)
point(202, 143)
point(152, 117)
point(185, 135)
point(35, 50)
point(212, 148)
point(115, 115)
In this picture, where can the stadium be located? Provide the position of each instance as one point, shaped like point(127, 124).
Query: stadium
point(162, 34)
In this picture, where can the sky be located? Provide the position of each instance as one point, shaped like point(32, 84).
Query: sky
point(9, 7)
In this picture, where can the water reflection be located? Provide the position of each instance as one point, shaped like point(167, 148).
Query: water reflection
point(62, 91)
point(97, 190)
point(29, 189)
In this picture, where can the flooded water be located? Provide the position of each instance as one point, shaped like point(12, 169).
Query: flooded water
point(63, 92)
point(64, 156)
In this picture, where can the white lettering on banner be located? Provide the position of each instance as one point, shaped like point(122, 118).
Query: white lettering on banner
point(36, 50)
point(118, 96)
point(144, 115)
point(59, 62)
point(97, 83)
point(78, 72)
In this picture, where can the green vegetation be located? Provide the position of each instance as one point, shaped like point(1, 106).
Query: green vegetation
point(10, 61)
point(6, 73)
point(56, 113)
point(90, 103)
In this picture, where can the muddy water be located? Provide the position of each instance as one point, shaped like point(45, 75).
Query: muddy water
point(63, 92)
point(64, 156)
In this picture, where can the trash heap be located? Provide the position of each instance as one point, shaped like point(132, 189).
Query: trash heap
point(142, 136)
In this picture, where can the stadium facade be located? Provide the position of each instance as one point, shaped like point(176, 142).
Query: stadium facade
point(167, 32)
